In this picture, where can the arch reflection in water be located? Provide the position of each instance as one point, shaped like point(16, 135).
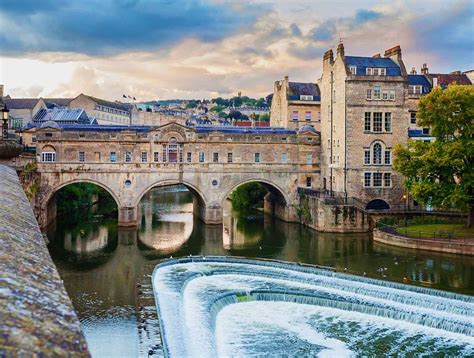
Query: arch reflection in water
point(166, 218)
point(215, 306)
point(82, 242)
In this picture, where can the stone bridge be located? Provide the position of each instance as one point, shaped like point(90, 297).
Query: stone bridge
point(210, 161)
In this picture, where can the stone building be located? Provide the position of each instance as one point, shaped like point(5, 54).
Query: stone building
point(106, 112)
point(363, 111)
point(422, 84)
point(295, 104)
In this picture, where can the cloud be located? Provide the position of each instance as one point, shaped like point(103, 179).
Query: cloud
point(105, 27)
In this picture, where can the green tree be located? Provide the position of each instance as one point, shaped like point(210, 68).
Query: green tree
point(248, 196)
point(441, 173)
point(217, 109)
point(265, 117)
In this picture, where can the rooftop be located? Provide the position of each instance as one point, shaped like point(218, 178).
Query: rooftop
point(117, 105)
point(379, 62)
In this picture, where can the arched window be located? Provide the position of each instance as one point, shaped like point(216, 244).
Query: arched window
point(377, 154)
point(48, 154)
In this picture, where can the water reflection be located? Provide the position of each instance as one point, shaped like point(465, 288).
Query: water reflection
point(100, 264)
point(166, 220)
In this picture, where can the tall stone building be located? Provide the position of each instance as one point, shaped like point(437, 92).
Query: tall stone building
point(295, 104)
point(363, 115)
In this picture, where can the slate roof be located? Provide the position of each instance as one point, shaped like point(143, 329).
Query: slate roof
point(420, 80)
point(117, 105)
point(362, 63)
point(446, 79)
point(20, 103)
point(305, 89)
point(57, 102)
point(198, 129)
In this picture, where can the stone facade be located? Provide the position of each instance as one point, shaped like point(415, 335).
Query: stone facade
point(106, 112)
point(358, 133)
point(295, 104)
point(128, 162)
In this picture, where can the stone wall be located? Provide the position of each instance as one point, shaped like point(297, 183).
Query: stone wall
point(454, 246)
point(317, 214)
point(36, 315)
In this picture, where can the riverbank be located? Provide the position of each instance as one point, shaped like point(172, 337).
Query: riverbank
point(38, 318)
point(452, 246)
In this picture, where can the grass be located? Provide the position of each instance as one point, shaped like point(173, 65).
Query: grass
point(437, 230)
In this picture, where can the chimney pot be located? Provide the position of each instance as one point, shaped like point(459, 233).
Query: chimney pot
point(424, 69)
point(340, 49)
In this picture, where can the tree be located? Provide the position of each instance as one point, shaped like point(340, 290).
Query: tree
point(248, 196)
point(441, 173)
point(265, 117)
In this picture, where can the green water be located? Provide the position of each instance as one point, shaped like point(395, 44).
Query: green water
point(100, 263)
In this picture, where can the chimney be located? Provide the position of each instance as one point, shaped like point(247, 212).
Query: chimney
point(394, 51)
point(455, 73)
point(328, 55)
point(340, 49)
point(286, 78)
point(395, 54)
point(413, 71)
point(424, 69)
point(376, 56)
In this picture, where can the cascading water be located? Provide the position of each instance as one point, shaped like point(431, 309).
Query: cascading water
point(214, 306)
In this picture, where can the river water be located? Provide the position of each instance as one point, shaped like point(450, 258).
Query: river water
point(100, 263)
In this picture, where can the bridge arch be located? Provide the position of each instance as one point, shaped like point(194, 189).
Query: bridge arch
point(377, 204)
point(47, 212)
point(53, 191)
point(197, 193)
point(271, 187)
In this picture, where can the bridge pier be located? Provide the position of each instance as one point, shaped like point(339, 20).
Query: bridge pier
point(211, 214)
point(128, 216)
point(276, 207)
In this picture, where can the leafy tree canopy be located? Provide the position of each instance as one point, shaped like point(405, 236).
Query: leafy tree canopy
point(441, 173)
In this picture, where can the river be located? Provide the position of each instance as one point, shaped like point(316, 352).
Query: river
point(100, 263)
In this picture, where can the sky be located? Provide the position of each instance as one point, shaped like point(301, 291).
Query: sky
point(194, 49)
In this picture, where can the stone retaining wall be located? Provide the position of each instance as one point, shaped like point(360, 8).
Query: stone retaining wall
point(36, 314)
point(454, 246)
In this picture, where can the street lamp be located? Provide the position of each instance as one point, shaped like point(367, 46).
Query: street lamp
point(405, 203)
point(5, 112)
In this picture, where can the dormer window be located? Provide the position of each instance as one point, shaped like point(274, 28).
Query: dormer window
point(306, 98)
point(353, 70)
point(376, 71)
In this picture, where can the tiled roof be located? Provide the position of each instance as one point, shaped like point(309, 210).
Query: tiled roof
point(382, 62)
point(20, 103)
point(303, 89)
point(420, 80)
point(447, 79)
point(117, 105)
point(57, 102)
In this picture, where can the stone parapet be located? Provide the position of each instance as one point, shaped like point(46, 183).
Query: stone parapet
point(36, 315)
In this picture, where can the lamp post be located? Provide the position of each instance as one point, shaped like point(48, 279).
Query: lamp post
point(405, 211)
point(5, 112)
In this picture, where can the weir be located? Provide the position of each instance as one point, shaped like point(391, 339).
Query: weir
point(213, 306)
